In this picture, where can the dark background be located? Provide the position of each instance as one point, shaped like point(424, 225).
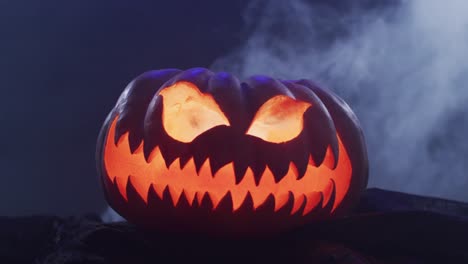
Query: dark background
point(63, 65)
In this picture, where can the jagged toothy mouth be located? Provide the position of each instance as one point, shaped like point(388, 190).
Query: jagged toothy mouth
point(319, 187)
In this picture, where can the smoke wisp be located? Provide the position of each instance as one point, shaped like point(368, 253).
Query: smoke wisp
point(402, 67)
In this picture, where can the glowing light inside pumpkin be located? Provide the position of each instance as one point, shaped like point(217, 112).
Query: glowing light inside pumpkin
point(184, 104)
point(279, 119)
point(317, 182)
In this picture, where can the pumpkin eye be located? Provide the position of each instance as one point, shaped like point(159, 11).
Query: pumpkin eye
point(279, 119)
point(187, 112)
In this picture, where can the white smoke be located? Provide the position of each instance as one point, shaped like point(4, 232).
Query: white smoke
point(111, 216)
point(402, 67)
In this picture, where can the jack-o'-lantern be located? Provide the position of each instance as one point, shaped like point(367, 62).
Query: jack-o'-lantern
point(201, 151)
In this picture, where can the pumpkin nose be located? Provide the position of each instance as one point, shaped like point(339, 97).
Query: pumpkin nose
point(221, 145)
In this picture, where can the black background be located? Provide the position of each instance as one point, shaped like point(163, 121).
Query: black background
point(63, 65)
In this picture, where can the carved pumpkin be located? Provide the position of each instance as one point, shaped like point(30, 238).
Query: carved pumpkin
point(201, 151)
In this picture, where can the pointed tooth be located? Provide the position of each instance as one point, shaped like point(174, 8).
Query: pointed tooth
point(166, 195)
point(281, 200)
point(189, 168)
point(279, 168)
point(153, 196)
point(237, 199)
point(206, 202)
point(225, 205)
point(190, 195)
point(175, 194)
point(240, 171)
point(199, 198)
point(215, 200)
point(243, 157)
point(317, 157)
point(107, 181)
point(296, 204)
point(168, 156)
point(122, 143)
point(299, 204)
point(139, 149)
point(199, 161)
point(196, 200)
point(159, 189)
point(330, 160)
point(300, 163)
point(329, 206)
point(141, 185)
point(247, 205)
point(119, 130)
point(258, 169)
point(327, 192)
point(184, 160)
point(134, 198)
point(314, 199)
point(257, 179)
point(311, 161)
point(134, 142)
point(180, 163)
point(121, 186)
point(216, 164)
point(183, 201)
point(121, 196)
point(287, 206)
point(268, 205)
point(126, 125)
point(155, 154)
point(267, 178)
point(148, 152)
point(110, 187)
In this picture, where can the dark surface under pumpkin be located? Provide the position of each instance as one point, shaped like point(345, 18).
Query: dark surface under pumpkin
point(386, 227)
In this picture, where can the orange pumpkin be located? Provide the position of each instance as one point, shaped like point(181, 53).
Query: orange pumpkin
point(201, 151)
